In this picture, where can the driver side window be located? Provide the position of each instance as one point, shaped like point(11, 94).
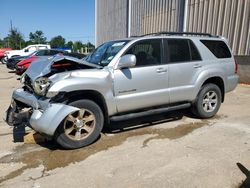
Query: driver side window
point(147, 52)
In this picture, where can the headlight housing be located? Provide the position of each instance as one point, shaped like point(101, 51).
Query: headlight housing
point(41, 85)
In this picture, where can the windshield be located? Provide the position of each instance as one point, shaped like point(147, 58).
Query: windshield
point(106, 52)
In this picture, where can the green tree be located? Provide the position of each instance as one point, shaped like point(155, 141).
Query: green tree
point(1, 43)
point(28, 42)
point(57, 41)
point(77, 45)
point(90, 45)
point(37, 37)
point(70, 44)
point(14, 39)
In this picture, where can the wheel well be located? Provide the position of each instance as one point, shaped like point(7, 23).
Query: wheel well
point(219, 82)
point(91, 95)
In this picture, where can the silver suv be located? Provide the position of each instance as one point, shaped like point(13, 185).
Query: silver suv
point(70, 99)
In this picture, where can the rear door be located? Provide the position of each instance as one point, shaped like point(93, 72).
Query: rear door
point(146, 84)
point(185, 64)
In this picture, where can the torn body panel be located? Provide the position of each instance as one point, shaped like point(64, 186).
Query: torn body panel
point(43, 117)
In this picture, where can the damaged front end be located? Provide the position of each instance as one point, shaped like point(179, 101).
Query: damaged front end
point(16, 116)
point(33, 105)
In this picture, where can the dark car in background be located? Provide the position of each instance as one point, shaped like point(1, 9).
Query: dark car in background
point(24, 64)
point(11, 63)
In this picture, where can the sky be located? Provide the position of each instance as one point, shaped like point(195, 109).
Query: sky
point(73, 19)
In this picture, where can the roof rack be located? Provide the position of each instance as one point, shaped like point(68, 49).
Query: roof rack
point(176, 33)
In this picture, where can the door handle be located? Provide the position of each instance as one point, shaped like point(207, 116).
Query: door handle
point(161, 70)
point(197, 66)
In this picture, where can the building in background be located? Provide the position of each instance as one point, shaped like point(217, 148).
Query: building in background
point(124, 18)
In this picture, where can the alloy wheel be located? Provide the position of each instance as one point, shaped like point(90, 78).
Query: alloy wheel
point(79, 125)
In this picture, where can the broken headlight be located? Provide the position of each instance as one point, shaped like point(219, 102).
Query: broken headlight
point(41, 85)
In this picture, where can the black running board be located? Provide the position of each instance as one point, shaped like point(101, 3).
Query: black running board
point(149, 112)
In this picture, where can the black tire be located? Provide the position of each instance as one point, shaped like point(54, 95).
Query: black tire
point(3, 61)
point(69, 140)
point(205, 106)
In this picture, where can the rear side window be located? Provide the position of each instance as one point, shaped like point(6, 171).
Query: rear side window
point(218, 48)
point(182, 50)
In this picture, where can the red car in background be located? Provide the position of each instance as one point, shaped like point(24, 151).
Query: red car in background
point(23, 65)
point(2, 51)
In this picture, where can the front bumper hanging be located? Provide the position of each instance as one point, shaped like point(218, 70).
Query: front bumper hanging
point(44, 117)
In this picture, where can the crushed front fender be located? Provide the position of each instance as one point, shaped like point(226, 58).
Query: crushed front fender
point(48, 120)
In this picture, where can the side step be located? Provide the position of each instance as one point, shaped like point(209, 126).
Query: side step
point(149, 112)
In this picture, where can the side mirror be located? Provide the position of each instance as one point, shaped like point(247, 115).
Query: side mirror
point(26, 50)
point(127, 61)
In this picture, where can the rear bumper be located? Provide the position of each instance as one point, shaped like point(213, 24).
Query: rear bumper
point(232, 82)
point(43, 117)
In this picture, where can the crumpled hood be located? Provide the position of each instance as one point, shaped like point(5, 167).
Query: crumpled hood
point(42, 67)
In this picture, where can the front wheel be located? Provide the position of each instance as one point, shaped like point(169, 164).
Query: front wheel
point(82, 127)
point(3, 60)
point(208, 101)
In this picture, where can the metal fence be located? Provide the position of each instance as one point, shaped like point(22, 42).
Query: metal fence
point(228, 18)
point(111, 20)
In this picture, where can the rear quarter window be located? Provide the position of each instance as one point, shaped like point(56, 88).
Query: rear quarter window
point(218, 48)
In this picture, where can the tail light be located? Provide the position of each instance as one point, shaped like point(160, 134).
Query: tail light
point(235, 67)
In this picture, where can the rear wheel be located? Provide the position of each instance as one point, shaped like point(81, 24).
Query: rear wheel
point(82, 127)
point(208, 101)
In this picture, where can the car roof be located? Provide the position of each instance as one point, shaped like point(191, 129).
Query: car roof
point(51, 50)
point(179, 35)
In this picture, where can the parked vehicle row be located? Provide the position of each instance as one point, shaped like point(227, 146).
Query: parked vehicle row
point(21, 63)
point(2, 53)
point(25, 51)
point(71, 100)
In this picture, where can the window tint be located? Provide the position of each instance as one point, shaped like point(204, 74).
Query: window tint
point(178, 50)
point(195, 55)
point(182, 50)
point(218, 48)
point(147, 52)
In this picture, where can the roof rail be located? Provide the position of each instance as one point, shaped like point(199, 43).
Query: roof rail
point(176, 33)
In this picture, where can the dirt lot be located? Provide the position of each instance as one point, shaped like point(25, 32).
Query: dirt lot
point(170, 150)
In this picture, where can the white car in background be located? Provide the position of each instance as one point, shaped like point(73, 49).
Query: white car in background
point(25, 52)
